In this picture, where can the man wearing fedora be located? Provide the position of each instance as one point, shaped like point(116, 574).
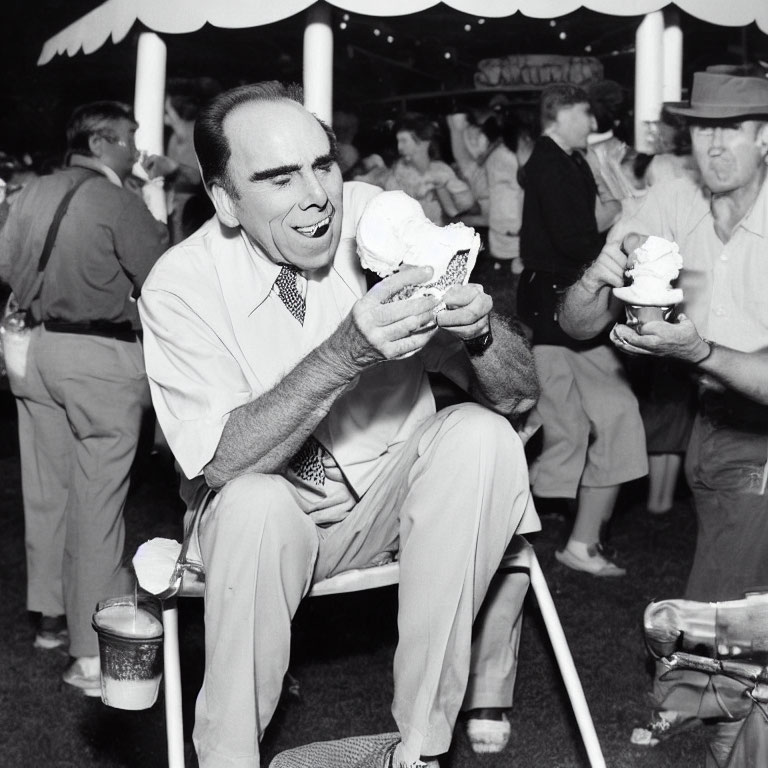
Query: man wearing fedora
point(721, 328)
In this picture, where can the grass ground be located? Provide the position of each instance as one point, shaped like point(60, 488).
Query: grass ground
point(343, 649)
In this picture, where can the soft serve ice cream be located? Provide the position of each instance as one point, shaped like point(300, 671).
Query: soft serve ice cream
point(652, 268)
point(394, 231)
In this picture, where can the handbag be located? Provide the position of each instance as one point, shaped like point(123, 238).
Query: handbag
point(16, 325)
point(14, 339)
point(539, 295)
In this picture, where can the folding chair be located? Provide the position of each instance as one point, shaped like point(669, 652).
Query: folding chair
point(523, 556)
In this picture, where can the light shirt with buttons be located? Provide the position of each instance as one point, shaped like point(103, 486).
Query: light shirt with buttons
point(217, 336)
point(725, 285)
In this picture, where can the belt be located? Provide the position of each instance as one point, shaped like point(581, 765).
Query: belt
point(120, 331)
point(729, 409)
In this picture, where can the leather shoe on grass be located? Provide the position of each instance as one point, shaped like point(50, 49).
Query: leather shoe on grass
point(52, 633)
point(595, 563)
point(84, 673)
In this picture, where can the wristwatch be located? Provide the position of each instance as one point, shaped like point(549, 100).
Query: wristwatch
point(476, 346)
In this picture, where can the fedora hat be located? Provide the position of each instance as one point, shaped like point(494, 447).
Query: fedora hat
point(719, 96)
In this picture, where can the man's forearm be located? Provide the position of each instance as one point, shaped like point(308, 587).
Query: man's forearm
point(504, 376)
point(742, 372)
point(585, 311)
point(265, 434)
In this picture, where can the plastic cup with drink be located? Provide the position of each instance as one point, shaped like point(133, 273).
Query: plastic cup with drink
point(130, 648)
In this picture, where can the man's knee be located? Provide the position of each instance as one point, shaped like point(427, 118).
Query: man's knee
point(471, 426)
point(251, 505)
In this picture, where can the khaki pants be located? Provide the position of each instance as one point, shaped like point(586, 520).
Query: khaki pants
point(591, 426)
point(80, 408)
point(726, 470)
point(449, 501)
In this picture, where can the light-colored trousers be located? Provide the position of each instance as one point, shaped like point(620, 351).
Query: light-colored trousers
point(592, 430)
point(80, 407)
point(449, 501)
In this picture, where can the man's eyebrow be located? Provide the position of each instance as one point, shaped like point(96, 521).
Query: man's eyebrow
point(324, 160)
point(281, 170)
point(270, 173)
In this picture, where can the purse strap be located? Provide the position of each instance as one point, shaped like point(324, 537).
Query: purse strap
point(53, 230)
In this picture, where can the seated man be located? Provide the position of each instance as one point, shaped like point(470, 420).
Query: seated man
point(303, 401)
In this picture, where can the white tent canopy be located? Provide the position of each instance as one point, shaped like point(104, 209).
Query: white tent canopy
point(115, 18)
point(658, 43)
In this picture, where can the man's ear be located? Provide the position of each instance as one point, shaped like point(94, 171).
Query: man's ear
point(762, 141)
point(96, 145)
point(225, 206)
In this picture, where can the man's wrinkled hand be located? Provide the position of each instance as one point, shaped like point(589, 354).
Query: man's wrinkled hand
point(606, 270)
point(679, 340)
point(377, 330)
point(467, 310)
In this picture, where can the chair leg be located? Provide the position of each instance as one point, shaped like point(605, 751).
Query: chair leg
point(566, 665)
point(174, 722)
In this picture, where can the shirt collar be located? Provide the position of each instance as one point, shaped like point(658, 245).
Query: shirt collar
point(266, 272)
point(756, 220)
point(83, 161)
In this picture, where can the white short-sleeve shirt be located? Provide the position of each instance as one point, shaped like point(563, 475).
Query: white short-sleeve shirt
point(216, 336)
point(724, 284)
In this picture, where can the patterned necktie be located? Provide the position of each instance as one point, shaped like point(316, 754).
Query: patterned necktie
point(289, 293)
point(307, 464)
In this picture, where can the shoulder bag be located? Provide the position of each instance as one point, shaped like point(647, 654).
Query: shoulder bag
point(15, 327)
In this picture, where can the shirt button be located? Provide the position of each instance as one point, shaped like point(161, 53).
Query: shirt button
point(720, 311)
point(723, 257)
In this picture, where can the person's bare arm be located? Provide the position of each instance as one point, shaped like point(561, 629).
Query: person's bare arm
point(167, 167)
point(457, 125)
point(607, 213)
point(454, 194)
point(588, 306)
point(503, 377)
point(742, 372)
point(264, 434)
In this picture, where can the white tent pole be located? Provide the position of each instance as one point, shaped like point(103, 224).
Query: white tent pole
point(149, 98)
point(672, 88)
point(649, 57)
point(149, 108)
point(318, 62)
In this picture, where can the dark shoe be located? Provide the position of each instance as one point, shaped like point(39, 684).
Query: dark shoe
point(554, 508)
point(84, 673)
point(52, 633)
point(660, 521)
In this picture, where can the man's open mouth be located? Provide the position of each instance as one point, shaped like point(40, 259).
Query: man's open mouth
point(318, 229)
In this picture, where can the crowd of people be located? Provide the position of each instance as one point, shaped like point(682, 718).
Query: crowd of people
point(295, 394)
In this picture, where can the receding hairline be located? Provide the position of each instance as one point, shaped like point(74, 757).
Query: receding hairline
point(267, 103)
point(262, 105)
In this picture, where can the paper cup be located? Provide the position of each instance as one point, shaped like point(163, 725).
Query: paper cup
point(638, 314)
point(130, 649)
